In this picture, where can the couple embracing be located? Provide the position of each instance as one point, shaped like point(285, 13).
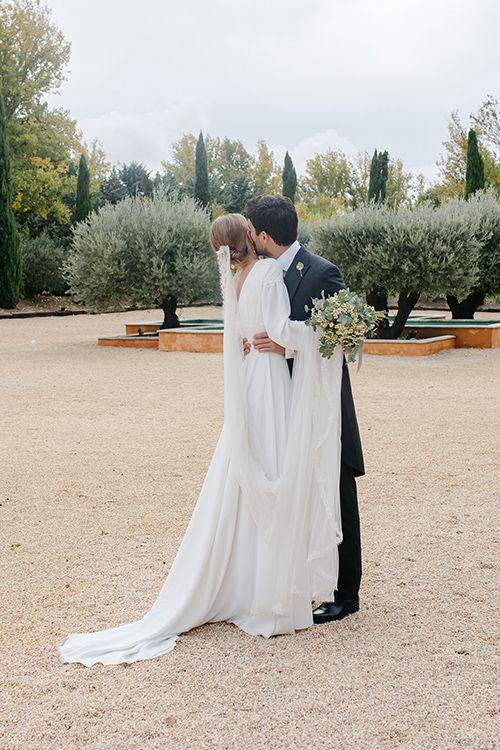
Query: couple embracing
point(273, 544)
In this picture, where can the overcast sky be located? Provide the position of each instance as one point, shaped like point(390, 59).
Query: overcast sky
point(305, 75)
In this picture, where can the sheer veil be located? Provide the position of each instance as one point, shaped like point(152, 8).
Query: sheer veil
point(299, 515)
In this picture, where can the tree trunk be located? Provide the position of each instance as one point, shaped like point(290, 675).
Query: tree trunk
point(169, 307)
point(378, 300)
point(467, 307)
point(406, 303)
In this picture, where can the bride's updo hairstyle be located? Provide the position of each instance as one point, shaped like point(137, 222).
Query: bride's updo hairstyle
point(231, 230)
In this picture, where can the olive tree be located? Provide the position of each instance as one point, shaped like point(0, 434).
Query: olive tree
point(404, 253)
point(148, 251)
point(482, 212)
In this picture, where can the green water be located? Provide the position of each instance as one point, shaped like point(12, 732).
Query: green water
point(451, 323)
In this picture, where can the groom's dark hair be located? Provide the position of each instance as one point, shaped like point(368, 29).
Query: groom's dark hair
point(275, 215)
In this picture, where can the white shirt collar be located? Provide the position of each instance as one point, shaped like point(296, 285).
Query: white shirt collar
point(286, 259)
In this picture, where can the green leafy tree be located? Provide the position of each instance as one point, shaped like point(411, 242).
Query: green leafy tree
point(44, 143)
point(231, 174)
point(149, 251)
point(383, 171)
point(482, 212)
point(201, 185)
point(379, 171)
point(181, 167)
point(43, 260)
point(136, 179)
point(377, 297)
point(474, 171)
point(112, 189)
point(289, 178)
point(230, 170)
point(83, 206)
point(328, 174)
point(10, 258)
point(333, 174)
point(404, 253)
point(452, 164)
point(402, 188)
point(266, 175)
point(373, 185)
point(33, 58)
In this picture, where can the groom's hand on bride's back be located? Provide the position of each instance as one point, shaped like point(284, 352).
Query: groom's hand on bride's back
point(263, 343)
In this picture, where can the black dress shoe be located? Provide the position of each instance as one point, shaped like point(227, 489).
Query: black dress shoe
point(330, 611)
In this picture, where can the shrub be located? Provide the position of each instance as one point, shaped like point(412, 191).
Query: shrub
point(43, 263)
point(149, 251)
point(404, 253)
point(482, 212)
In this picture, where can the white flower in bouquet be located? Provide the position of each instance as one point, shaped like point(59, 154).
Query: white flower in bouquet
point(343, 319)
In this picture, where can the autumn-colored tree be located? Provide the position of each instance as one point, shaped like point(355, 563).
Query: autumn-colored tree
point(180, 168)
point(34, 55)
point(265, 173)
point(45, 144)
point(452, 164)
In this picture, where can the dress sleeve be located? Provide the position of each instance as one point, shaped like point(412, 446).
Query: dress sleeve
point(291, 334)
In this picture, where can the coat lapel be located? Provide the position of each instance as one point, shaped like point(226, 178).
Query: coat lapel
point(294, 276)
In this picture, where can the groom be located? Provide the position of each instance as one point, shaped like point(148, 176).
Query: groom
point(273, 221)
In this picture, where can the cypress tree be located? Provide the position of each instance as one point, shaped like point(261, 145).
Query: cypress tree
point(10, 256)
point(474, 180)
point(201, 187)
point(378, 177)
point(376, 193)
point(83, 207)
point(372, 186)
point(383, 171)
point(474, 173)
point(289, 178)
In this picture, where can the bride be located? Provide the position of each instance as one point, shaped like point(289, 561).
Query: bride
point(261, 544)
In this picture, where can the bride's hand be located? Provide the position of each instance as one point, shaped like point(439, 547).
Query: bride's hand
point(263, 343)
point(246, 347)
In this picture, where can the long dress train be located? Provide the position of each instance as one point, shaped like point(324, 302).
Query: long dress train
point(261, 544)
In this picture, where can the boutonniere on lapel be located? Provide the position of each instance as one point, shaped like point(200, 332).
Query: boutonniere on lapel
point(300, 267)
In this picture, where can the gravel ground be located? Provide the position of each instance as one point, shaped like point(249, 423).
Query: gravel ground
point(102, 453)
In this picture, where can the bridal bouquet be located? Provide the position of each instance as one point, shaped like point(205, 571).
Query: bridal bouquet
point(343, 319)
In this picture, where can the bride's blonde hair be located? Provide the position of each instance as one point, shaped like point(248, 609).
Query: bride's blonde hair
point(231, 230)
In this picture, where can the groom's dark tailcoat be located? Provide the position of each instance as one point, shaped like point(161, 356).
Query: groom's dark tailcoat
point(315, 275)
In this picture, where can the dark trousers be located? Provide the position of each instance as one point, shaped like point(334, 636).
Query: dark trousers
point(350, 549)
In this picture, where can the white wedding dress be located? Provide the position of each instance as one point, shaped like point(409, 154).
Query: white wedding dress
point(261, 544)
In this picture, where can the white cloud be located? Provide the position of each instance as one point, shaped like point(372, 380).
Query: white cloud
point(303, 75)
point(144, 136)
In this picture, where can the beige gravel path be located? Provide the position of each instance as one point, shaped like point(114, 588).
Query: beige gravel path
point(102, 452)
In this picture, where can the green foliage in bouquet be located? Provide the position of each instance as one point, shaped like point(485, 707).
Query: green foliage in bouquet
point(343, 319)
